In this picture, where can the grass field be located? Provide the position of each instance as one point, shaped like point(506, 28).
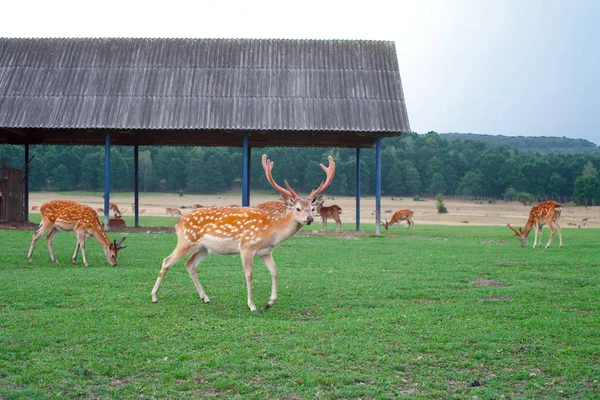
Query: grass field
point(448, 312)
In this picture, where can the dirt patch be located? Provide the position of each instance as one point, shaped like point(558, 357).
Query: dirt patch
point(488, 282)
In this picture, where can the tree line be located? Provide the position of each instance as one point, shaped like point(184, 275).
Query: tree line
point(413, 164)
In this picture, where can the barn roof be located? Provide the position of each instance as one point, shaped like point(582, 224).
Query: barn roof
point(200, 91)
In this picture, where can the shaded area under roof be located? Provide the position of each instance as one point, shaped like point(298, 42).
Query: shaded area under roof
point(205, 92)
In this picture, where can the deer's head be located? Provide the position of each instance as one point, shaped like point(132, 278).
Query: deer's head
point(302, 210)
point(522, 236)
point(112, 250)
point(386, 224)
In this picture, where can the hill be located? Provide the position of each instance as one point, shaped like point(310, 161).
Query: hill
point(539, 144)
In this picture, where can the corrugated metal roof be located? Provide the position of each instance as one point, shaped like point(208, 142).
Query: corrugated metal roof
point(201, 84)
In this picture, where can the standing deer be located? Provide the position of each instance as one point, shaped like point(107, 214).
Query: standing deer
point(173, 212)
point(68, 215)
point(334, 212)
point(246, 231)
point(547, 213)
point(398, 216)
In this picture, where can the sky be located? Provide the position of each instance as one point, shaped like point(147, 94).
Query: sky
point(497, 67)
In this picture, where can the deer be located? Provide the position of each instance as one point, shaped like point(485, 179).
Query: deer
point(35, 208)
point(398, 216)
point(546, 213)
point(275, 207)
point(173, 212)
point(334, 212)
point(66, 215)
point(246, 231)
point(113, 207)
point(198, 206)
point(117, 222)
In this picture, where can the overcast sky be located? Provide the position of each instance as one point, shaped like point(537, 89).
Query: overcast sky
point(510, 67)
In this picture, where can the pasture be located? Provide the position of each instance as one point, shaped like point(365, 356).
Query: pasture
point(446, 312)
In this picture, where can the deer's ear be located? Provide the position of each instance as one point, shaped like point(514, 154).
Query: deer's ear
point(317, 201)
point(289, 202)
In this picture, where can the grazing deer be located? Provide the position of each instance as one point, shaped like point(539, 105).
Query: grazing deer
point(275, 207)
point(401, 215)
point(68, 215)
point(173, 212)
point(35, 208)
point(246, 231)
point(113, 207)
point(334, 212)
point(547, 213)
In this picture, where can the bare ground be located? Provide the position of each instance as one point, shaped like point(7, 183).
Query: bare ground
point(459, 212)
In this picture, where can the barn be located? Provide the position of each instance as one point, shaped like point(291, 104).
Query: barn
point(201, 92)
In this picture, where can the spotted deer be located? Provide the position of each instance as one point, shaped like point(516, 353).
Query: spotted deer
point(398, 216)
point(275, 207)
point(173, 212)
point(246, 231)
point(68, 215)
point(334, 212)
point(546, 213)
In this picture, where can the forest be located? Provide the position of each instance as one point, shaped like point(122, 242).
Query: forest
point(412, 164)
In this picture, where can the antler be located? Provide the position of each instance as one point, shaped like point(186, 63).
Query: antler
point(118, 245)
point(516, 232)
point(330, 171)
point(268, 166)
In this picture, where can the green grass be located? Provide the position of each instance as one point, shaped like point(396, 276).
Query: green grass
point(450, 312)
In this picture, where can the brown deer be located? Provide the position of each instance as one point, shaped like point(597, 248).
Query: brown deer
point(198, 206)
point(246, 231)
point(546, 213)
point(398, 216)
point(275, 207)
point(35, 208)
point(117, 223)
point(173, 212)
point(68, 215)
point(113, 207)
point(334, 212)
point(100, 211)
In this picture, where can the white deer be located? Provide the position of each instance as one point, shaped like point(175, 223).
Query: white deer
point(248, 232)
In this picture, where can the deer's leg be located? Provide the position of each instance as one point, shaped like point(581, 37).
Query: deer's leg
point(81, 244)
point(324, 223)
point(191, 265)
point(168, 262)
point(50, 241)
point(38, 234)
point(559, 232)
point(552, 232)
point(338, 222)
point(268, 261)
point(74, 259)
point(247, 263)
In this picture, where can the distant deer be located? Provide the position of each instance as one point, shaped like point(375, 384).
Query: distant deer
point(173, 212)
point(398, 216)
point(334, 212)
point(68, 215)
point(117, 223)
point(100, 211)
point(275, 207)
point(546, 213)
point(113, 207)
point(198, 206)
point(35, 208)
point(246, 231)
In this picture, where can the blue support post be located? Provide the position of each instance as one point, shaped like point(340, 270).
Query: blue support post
point(246, 173)
point(26, 186)
point(378, 186)
point(358, 189)
point(106, 179)
point(136, 193)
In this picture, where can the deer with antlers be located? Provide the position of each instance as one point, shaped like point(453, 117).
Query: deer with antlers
point(246, 231)
point(546, 213)
point(68, 215)
point(332, 211)
point(115, 209)
point(399, 216)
